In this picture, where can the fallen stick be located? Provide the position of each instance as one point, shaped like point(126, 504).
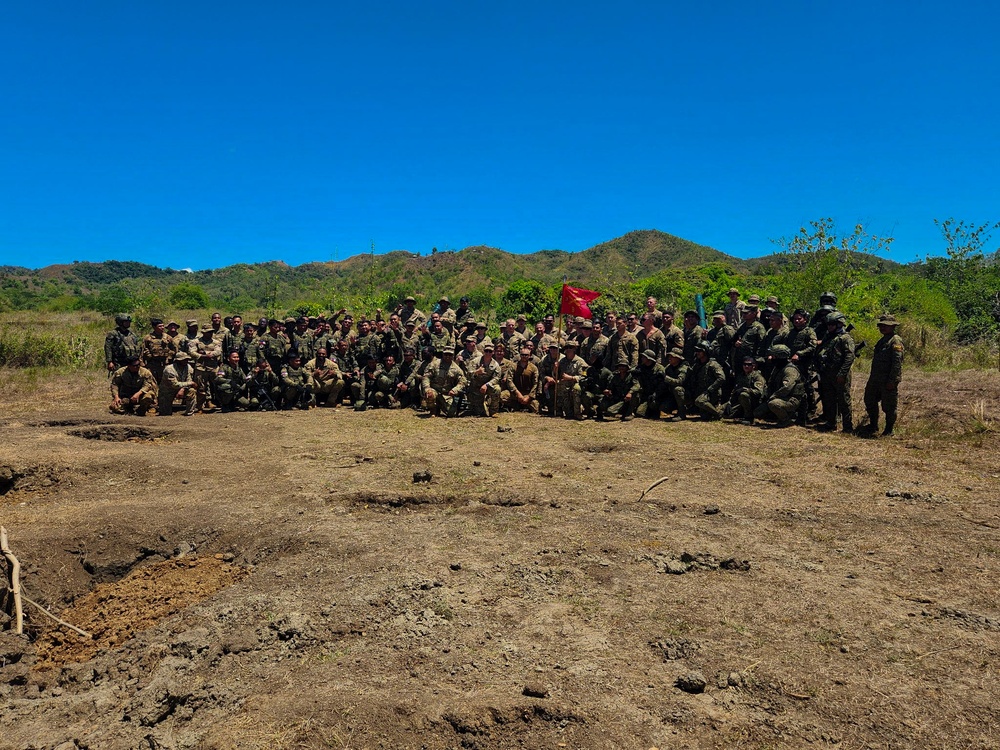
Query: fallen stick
point(939, 651)
point(657, 483)
point(14, 574)
point(48, 614)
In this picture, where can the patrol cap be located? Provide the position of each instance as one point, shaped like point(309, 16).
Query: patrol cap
point(753, 299)
point(780, 351)
point(718, 314)
point(553, 345)
point(587, 324)
point(773, 299)
point(691, 314)
point(409, 299)
point(445, 299)
point(578, 320)
point(887, 320)
point(207, 329)
point(649, 354)
point(676, 352)
point(182, 357)
point(411, 322)
point(570, 345)
point(523, 317)
point(750, 309)
point(733, 290)
point(123, 318)
point(156, 321)
point(471, 323)
point(446, 352)
point(471, 339)
point(480, 325)
point(488, 348)
point(173, 323)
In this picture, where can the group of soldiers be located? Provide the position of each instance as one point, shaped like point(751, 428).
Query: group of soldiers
point(752, 364)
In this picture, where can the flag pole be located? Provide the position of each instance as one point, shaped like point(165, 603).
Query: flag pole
point(555, 370)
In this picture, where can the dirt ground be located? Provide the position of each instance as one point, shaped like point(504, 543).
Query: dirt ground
point(278, 580)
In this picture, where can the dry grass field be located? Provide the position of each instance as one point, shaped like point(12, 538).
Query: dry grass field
point(278, 580)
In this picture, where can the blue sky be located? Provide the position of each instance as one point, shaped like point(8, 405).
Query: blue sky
point(203, 134)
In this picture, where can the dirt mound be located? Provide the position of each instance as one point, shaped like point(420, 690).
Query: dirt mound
point(120, 433)
point(27, 478)
point(114, 612)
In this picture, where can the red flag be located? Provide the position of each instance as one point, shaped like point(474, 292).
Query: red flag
point(575, 301)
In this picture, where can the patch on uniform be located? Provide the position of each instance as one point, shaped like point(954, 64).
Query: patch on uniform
point(897, 347)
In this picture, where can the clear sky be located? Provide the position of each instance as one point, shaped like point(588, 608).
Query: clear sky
point(202, 134)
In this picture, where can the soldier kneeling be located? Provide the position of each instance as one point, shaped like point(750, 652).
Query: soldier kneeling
point(133, 389)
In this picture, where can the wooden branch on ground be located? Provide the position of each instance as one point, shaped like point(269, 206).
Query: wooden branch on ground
point(658, 482)
point(14, 581)
point(48, 614)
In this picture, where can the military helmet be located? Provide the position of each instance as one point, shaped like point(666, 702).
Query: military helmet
point(828, 297)
point(649, 354)
point(780, 351)
point(836, 317)
point(703, 346)
point(888, 320)
point(676, 352)
point(123, 318)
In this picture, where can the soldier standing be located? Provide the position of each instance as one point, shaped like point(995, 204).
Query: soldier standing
point(834, 360)
point(887, 371)
point(158, 349)
point(121, 344)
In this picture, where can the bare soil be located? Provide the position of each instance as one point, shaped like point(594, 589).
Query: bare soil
point(279, 580)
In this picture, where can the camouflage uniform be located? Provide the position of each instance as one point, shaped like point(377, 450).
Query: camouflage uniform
point(207, 355)
point(178, 376)
point(125, 384)
point(673, 395)
point(571, 373)
point(272, 347)
point(785, 392)
point(523, 384)
point(749, 392)
point(327, 380)
point(119, 346)
point(231, 388)
point(265, 388)
point(624, 343)
point(486, 374)
point(157, 353)
point(707, 383)
point(297, 387)
point(655, 340)
point(883, 383)
point(444, 381)
point(833, 361)
point(616, 386)
point(647, 385)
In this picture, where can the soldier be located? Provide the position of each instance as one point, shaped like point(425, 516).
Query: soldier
point(720, 339)
point(827, 304)
point(693, 333)
point(749, 391)
point(621, 342)
point(406, 393)
point(178, 383)
point(734, 308)
point(366, 395)
point(616, 395)
point(673, 396)
point(481, 338)
point(707, 383)
point(775, 332)
point(133, 389)
point(158, 349)
point(652, 338)
point(785, 390)
point(484, 385)
point(296, 384)
point(467, 356)
point(673, 335)
point(121, 344)
point(246, 346)
point(463, 314)
point(206, 352)
point(231, 385)
point(749, 337)
point(219, 331)
point(408, 311)
point(443, 382)
point(801, 341)
point(648, 385)
point(652, 310)
point(439, 337)
point(448, 317)
point(523, 393)
point(326, 377)
point(548, 371)
point(883, 382)
point(507, 365)
point(512, 340)
point(572, 370)
point(272, 346)
point(184, 340)
point(833, 361)
point(264, 387)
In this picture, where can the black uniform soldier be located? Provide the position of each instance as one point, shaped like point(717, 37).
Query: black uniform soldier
point(887, 371)
point(121, 344)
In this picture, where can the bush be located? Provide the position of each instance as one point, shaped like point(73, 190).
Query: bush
point(188, 296)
